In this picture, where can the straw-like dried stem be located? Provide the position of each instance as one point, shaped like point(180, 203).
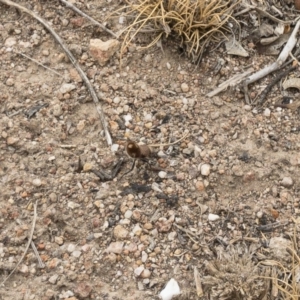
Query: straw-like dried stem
point(194, 23)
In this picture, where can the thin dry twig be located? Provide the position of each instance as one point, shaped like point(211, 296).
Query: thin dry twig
point(38, 63)
point(41, 264)
point(27, 246)
point(188, 232)
point(70, 5)
point(236, 79)
point(274, 66)
point(263, 95)
point(198, 282)
point(294, 58)
point(74, 62)
point(285, 280)
point(67, 146)
point(264, 13)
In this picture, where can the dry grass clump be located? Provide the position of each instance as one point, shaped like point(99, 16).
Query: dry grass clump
point(234, 276)
point(285, 280)
point(195, 23)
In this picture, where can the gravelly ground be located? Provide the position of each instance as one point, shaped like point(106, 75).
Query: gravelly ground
point(125, 238)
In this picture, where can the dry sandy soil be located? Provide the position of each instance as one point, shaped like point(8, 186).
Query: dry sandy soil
point(217, 191)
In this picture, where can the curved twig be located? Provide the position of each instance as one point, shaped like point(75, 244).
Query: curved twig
point(27, 246)
point(70, 5)
point(74, 62)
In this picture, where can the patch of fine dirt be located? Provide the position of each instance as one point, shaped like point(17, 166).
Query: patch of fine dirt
point(124, 239)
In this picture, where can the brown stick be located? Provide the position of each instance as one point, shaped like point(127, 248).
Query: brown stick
point(73, 61)
point(70, 5)
point(269, 87)
point(275, 65)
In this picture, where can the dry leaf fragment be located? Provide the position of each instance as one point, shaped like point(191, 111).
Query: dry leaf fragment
point(233, 47)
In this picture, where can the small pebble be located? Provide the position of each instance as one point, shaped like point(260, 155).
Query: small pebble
point(287, 182)
point(46, 52)
point(162, 174)
point(148, 226)
point(53, 278)
point(205, 169)
point(128, 214)
point(10, 81)
point(57, 110)
point(59, 240)
point(67, 87)
point(73, 205)
point(215, 115)
point(148, 117)
point(12, 140)
point(76, 253)
point(80, 126)
point(148, 125)
point(172, 235)
point(117, 100)
point(140, 286)
point(65, 22)
point(127, 118)
point(136, 215)
point(24, 269)
point(37, 182)
point(120, 232)
point(237, 170)
point(259, 214)
point(71, 248)
point(267, 112)
point(115, 247)
point(146, 273)
point(200, 186)
point(131, 247)
point(114, 147)
point(147, 58)
point(138, 271)
point(87, 167)
point(184, 87)
point(213, 217)
point(144, 256)
point(137, 230)
point(9, 42)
